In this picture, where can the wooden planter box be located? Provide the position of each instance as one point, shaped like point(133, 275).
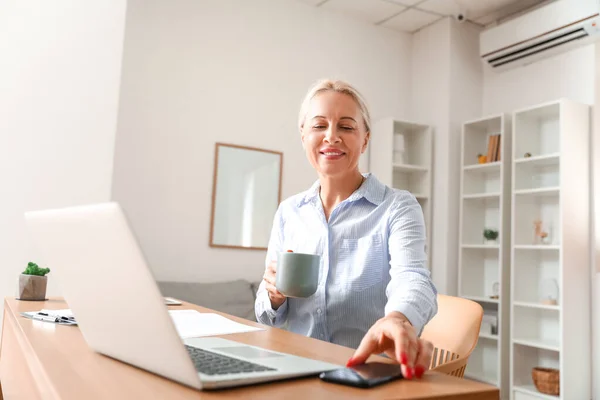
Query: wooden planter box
point(32, 287)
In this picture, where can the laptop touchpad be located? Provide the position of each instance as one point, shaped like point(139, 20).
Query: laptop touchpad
point(247, 352)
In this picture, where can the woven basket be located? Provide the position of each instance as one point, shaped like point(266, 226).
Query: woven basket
point(546, 380)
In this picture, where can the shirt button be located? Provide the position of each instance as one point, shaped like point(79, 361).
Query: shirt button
point(319, 311)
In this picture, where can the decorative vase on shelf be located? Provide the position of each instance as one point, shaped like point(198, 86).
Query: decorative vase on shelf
point(399, 149)
point(549, 292)
point(541, 234)
point(489, 322)
point(495, 291)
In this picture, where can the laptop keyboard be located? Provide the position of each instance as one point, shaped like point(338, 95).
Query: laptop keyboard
point(210, 363)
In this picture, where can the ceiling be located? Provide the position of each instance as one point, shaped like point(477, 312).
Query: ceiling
point(412, 15)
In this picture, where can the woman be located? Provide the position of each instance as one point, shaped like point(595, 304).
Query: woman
point(375, 292)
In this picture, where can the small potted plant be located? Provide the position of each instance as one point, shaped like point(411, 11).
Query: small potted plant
point(490, 236)
point(33, 282)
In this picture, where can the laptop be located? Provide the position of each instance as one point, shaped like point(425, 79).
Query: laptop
point(121, 312)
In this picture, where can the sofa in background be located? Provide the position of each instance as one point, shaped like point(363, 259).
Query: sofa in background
point(232, 297)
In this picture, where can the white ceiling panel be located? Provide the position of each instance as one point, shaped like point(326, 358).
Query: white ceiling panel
point(411, 15)
point(443, 7)
point(478, 8)
point(411, 20)
point(499, 13)
point(371, 11)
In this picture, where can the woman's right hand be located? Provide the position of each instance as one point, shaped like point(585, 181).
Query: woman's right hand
point(277, 299)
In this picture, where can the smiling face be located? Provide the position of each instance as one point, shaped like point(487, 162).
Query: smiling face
point(334, 134)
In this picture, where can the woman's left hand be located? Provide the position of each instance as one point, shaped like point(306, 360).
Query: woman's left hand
point(396, 337)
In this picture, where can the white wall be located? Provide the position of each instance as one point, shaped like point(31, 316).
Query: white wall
point(595, 157)
point(466, 86)
point(569, 75)
point(430, 91)
point(446, 90)
point(59, 82)
point(197, 72)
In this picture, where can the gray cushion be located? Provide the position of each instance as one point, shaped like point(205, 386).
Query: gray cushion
point(254, 287)
point(233, 297)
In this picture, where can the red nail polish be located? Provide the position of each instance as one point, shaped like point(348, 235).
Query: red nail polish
point(403, 358)
point(350, 362)
point(419, 371)
point(409, 373)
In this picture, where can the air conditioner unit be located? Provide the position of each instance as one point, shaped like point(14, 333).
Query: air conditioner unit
point(553, 28)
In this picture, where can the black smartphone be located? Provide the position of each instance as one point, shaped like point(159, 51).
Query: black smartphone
point(364, 375)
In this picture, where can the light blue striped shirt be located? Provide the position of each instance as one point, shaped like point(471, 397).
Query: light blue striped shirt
point(373, 262)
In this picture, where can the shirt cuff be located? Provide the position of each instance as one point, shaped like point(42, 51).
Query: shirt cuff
point(409, 312)
point(276, 317)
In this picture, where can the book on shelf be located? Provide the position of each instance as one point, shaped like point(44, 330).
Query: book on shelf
point(498, 151)
point(493, 153)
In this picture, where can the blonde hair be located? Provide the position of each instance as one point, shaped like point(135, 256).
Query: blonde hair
point(339, 87)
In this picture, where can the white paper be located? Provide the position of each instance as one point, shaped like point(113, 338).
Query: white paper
point(66, 312)
point(172, 302)
point(53, 316)
point(191, 323)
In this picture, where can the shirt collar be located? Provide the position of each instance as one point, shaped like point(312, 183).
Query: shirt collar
point(371, 189)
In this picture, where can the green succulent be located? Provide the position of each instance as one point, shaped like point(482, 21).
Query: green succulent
point(490, 234)
point(34, 269)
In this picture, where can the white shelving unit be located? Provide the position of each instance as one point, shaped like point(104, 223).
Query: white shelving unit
point(485, 204)
point(410, 170)
point(550, 184)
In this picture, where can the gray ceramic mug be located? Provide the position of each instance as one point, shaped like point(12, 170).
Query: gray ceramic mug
point(297, 274)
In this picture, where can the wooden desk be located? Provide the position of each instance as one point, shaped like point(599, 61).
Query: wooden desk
point(41, 360)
